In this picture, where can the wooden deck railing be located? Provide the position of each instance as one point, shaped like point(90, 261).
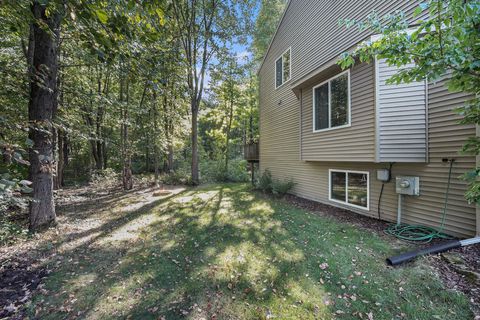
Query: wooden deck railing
point(251, 152)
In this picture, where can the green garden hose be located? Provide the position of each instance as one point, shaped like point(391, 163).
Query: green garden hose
point(422, 233)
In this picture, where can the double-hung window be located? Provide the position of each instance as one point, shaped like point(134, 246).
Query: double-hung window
point(349, 187)
point(331, 103)
point(282, 69)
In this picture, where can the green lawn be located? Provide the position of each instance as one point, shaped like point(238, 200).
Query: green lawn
point(223, 252)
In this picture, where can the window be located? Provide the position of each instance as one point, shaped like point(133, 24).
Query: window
point(331, 103)
point(282, 69)
point(349, 187)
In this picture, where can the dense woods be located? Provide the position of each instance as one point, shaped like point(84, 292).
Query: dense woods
point(95, 89)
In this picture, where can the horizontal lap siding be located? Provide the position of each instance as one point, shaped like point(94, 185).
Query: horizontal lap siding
point(280, 120)
point(356, 143)
point(311, 28)
point(401, 112)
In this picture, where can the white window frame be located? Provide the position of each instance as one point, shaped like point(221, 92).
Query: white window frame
point(367, 208)
point(289, 67)
point(347, 72)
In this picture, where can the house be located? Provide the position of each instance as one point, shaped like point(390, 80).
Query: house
point(336, 132)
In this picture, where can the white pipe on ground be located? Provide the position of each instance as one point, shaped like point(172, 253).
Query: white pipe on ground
point(468, 242)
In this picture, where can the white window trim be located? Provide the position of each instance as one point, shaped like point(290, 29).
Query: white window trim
point(289, 67)
point(367, 208)
point(329, 103)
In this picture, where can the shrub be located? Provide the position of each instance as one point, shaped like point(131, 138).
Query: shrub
point(237, 171)
point(107, 178)
point(282, 187)
point(265, 181)
point(178, 177)
point(214, 171)
point(10, 231)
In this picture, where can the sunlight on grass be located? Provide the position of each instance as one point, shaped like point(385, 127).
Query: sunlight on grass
point(222, 252)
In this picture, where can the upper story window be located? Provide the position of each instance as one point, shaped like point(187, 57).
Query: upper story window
point(331, 103)
point(282, 69)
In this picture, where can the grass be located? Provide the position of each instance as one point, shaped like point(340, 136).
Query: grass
point(223, 252)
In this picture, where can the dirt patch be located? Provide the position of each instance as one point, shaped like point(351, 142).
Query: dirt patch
point(25, 264)
point(461, 274)
point(18, 280)
point(460, 270)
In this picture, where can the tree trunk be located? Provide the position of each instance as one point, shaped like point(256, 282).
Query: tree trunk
point(168, 128)
point(156, 155)
point(195, 174)
point(127, 178)
point(59, 182)
point(227, 134)
point(170, 156)
point(41, 111)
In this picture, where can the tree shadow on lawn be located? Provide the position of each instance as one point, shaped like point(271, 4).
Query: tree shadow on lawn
point(221, 252)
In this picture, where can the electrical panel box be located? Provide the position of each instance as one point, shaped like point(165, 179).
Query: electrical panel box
point(407, 185)
point(383, 175)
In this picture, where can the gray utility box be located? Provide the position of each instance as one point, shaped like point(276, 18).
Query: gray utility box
point(407, 185)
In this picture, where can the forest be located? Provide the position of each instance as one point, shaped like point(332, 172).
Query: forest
point(102, 89)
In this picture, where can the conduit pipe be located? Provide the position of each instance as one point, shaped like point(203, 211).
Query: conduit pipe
point(438, 248)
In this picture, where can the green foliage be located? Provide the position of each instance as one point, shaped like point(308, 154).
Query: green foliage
point(277, 187)
point(11, 190)
point(266, 25)
point(443, 44)
point(178, 177)
point(108, 177)
point(214, 171)
point(281, 188)
point(265, 181)
point(11, 230)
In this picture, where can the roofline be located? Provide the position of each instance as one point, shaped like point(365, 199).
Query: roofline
point(274, 35)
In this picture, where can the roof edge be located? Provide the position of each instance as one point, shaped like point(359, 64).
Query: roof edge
point(274, 35)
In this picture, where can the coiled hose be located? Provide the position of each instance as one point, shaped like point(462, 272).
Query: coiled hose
point(423, 233)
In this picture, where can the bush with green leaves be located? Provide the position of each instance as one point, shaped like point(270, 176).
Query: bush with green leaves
point(214, 171)
point(10, 230)
point(278, 187)
point(178, 177)
point(11, 190)
point(265, 181)
point(106, 177)
point(282, 187)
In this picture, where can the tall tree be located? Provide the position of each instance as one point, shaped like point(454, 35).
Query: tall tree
point(201, 26)
point(41, 109)
point(227, 77)
point(265, 25)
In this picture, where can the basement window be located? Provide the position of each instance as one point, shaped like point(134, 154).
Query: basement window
point(282, 69)
point(349, 187)
point(331, 103)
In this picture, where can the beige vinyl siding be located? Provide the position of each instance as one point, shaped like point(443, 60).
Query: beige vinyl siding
point(280, 143)
point(354, 143)
point(311, 28)
point(306, 28)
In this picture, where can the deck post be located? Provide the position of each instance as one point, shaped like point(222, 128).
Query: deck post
point(252, 169)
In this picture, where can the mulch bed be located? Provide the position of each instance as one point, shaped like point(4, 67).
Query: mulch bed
point(464, 278)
